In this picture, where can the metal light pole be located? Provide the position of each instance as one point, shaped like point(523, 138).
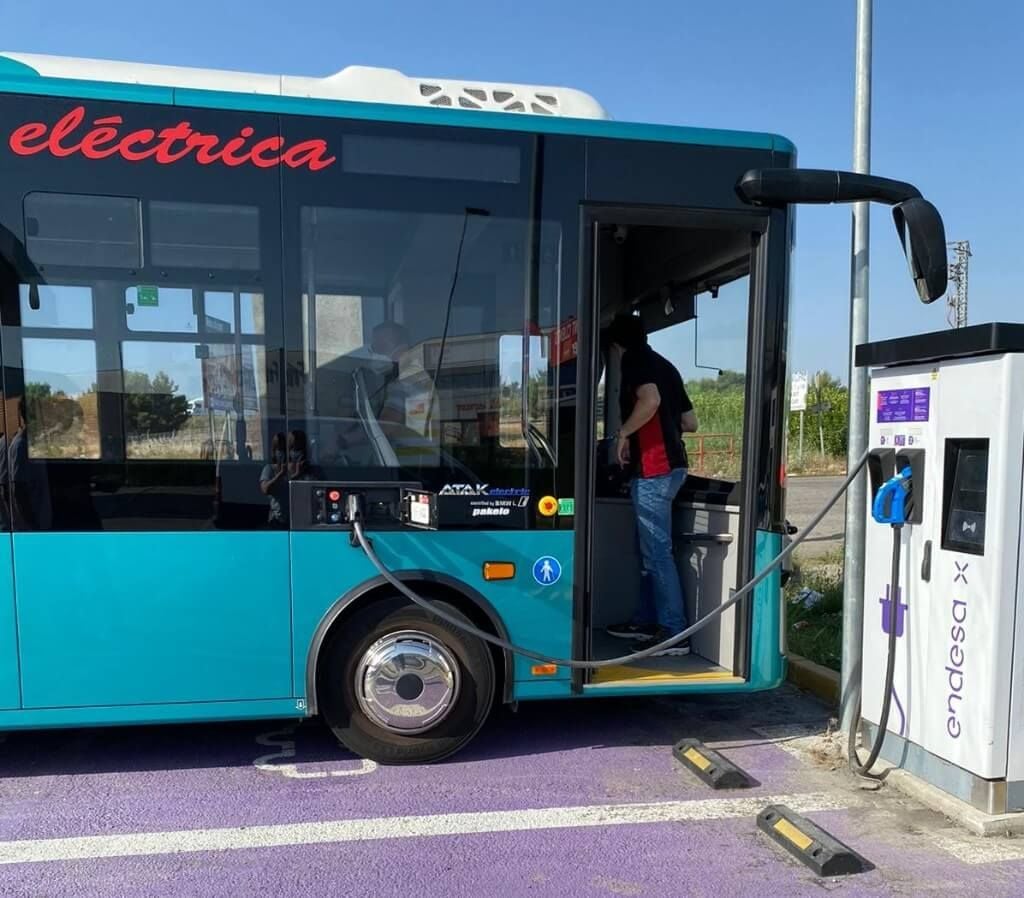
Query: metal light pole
point(856, 497)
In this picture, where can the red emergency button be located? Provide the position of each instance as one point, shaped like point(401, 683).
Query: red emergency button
point(334, 495)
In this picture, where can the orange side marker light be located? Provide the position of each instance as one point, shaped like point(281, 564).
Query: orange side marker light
point(499, 570)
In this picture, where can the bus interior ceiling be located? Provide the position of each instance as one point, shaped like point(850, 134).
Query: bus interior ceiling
point(660, 272)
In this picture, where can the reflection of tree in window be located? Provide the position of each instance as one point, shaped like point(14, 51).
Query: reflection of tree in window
point(60, 398)
point(158, 422)
point(178, 405)
point(57, 421)
point(153, 405)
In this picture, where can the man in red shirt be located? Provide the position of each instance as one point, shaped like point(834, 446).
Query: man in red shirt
point(655, 413)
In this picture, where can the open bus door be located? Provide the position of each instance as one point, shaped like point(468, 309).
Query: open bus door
point(670, 269)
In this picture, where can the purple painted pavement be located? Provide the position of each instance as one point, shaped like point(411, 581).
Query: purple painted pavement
point(549, 755)
point(167, 778)
point(719, 859)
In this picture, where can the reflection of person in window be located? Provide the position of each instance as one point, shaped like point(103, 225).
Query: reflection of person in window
point(29, 499)
point(286, 463)
point(390, 340)
point(400, 397)
point(298, 462)
point(274, 482)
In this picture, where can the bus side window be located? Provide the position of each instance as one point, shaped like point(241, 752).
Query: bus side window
point(126, 371)
point(426, 375)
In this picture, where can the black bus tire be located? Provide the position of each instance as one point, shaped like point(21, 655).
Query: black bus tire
point(356, 730)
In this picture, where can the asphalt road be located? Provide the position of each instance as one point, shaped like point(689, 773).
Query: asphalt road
point(804, 497)
point(563, 799)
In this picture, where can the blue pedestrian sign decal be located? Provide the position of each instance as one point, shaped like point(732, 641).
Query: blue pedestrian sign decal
point(547, 571)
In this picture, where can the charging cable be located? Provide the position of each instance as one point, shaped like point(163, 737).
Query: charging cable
point(890, 507)
point(355, 516)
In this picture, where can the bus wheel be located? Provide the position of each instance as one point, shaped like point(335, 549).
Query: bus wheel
point(398, 685)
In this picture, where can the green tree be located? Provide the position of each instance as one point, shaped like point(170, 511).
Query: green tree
point(49, 412)
point(153, 405)
point(36, 392)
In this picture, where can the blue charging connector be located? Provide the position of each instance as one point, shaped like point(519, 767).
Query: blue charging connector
point(890, 505)
point(896, 504)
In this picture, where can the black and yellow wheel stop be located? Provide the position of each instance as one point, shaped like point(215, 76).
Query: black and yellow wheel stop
point(711, 766)
point(809, 843)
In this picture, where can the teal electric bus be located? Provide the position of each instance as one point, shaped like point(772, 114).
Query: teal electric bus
point(226, 298)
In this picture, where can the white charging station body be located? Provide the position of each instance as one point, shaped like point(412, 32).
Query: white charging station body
point(957, 715)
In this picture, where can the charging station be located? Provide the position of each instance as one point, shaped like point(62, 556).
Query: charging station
point(947, 438)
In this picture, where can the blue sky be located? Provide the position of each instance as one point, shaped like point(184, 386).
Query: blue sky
point(948, 100)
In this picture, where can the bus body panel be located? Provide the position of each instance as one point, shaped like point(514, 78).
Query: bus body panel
point(114, 623)
point(767, 664)
point(10, 690)
point(681, 688)
point(14, 68)
point(325, 568)
point(547, 688)
point(142, 715)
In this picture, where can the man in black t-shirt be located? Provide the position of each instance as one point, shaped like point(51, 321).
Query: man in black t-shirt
point(655, 413)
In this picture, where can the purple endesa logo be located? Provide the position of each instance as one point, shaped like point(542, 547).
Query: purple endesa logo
point(957, 658)
point(901, 613)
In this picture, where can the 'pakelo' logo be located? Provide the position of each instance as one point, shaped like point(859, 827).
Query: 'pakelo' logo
point(106, 137)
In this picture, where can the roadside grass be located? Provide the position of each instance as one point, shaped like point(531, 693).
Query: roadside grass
point(816, 632)
point(814, 464)
point(716, 449)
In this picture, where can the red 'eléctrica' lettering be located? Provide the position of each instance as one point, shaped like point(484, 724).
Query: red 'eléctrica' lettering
point(105, 139)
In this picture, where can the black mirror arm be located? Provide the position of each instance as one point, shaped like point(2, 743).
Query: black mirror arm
point(917, 221)
point(782, 186)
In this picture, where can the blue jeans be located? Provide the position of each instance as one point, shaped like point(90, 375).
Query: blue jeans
point(661, 593)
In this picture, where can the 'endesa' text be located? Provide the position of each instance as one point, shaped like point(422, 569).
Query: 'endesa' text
point(105, 139)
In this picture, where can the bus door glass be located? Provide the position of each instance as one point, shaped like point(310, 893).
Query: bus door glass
point(688, 283)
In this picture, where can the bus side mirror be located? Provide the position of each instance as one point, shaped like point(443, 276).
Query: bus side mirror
point(923, 236)
point(917, 221)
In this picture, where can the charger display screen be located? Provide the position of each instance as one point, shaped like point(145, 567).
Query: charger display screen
point(965, 496)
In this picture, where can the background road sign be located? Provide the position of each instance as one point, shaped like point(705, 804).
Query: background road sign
point(798, 393)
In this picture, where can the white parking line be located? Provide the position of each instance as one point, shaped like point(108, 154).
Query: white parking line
point(377, 828)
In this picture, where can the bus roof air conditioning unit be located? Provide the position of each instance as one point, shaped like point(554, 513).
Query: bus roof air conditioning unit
point(382, 85)
point(365, 84)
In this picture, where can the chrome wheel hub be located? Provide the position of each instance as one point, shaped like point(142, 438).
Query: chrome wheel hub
point(407, 682)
